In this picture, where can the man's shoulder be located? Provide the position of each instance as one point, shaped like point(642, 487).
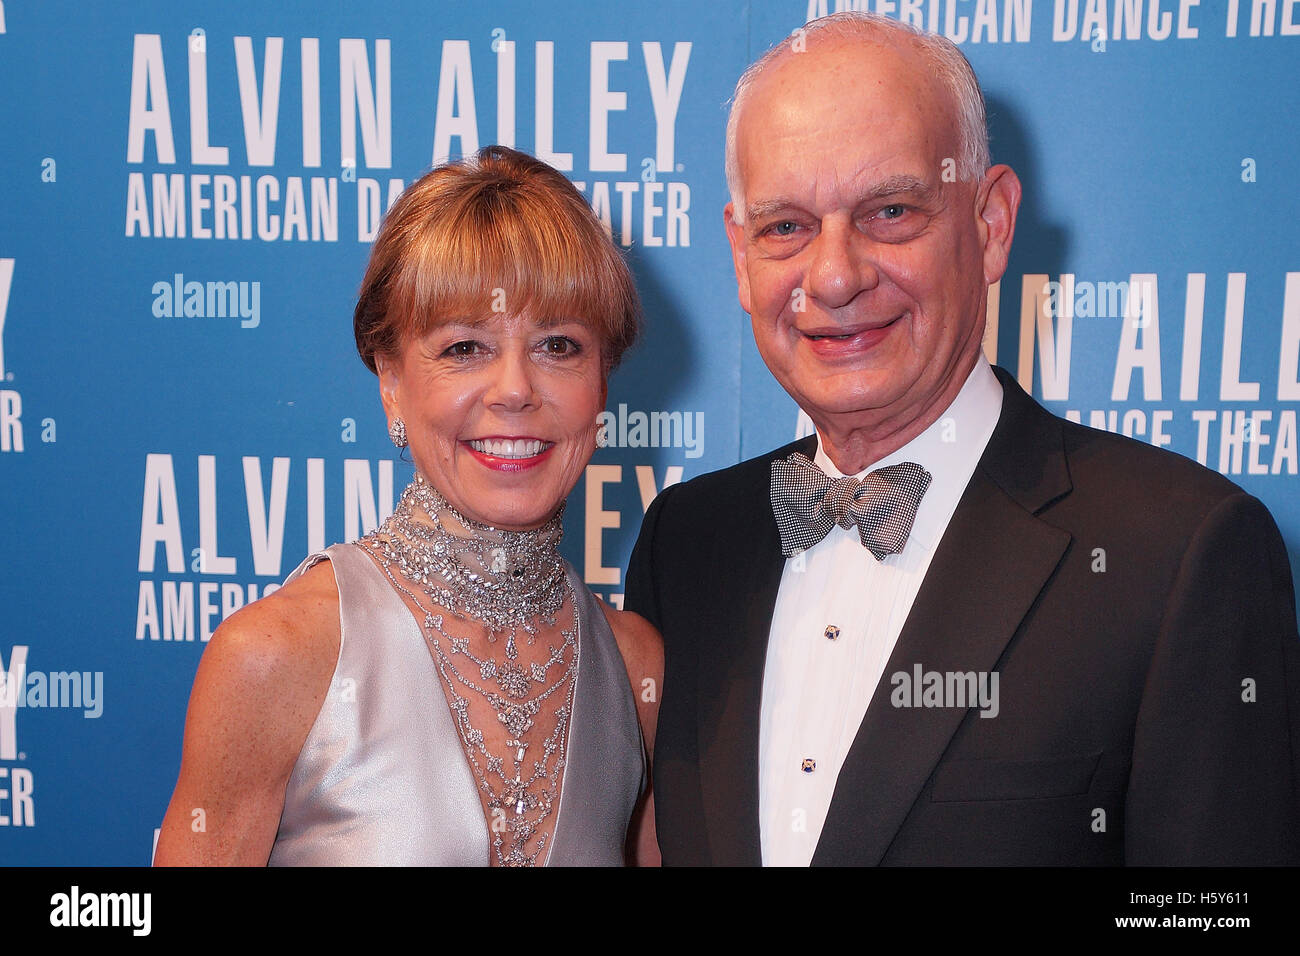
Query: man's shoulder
point(1093, 467)
point(1128, 470)
point(1125, 490)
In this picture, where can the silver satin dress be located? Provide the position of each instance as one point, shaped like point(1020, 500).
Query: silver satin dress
point(383, 778)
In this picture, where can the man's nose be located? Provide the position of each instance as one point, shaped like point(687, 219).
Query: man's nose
point(841, 265)
point(513, 387)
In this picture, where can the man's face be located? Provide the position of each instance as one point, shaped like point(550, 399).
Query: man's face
point(862, 265)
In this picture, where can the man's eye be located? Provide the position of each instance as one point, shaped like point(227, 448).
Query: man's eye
point(783, 228)
point(894, 211)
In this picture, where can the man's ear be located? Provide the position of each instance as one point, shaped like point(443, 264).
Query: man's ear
point(997, 203)
point(389, 386)
point(736, 236)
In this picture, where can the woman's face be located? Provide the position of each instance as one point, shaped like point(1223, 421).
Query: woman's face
point(500, 414)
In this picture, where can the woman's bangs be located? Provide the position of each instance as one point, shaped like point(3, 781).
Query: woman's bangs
point(492, 260)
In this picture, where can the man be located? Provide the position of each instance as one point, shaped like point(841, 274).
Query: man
point(1058, 646)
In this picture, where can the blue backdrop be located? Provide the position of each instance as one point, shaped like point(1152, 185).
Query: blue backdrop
point(190, 191)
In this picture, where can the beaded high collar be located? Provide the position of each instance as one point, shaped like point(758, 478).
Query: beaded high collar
point(504, 579)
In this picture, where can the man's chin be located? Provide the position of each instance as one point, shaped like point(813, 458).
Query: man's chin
point(858, 393)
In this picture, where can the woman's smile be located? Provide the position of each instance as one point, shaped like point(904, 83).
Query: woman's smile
point(509, 454)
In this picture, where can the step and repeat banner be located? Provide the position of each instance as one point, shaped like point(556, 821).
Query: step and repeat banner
point(190, 191)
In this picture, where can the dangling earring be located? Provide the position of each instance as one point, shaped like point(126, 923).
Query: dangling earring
point(397, 432)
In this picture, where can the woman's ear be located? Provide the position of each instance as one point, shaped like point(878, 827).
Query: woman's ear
point(389, 386)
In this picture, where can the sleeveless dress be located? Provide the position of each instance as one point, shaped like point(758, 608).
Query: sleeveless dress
point(383, 779)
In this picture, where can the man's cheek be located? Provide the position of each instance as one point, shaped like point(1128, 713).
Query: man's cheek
point(755, 290)
point(782, 294)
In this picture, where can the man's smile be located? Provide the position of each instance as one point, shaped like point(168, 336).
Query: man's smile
point(830, 341)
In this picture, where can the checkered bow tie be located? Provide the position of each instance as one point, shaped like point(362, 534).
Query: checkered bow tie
point(807, 504)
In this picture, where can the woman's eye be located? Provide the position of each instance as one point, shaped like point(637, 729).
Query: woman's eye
point(560, 345)
point(461, 349)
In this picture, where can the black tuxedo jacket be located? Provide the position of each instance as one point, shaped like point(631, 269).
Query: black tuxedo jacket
point(1137, 607)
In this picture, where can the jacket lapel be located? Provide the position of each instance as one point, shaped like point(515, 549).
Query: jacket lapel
point(730, 676)
point(990, 566)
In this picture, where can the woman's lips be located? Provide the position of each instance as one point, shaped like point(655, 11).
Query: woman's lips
point(509, 454)
point(509, 447)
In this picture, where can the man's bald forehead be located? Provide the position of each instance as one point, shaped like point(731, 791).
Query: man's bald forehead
point(843, 82)
point(847, 57)
point(947, 93)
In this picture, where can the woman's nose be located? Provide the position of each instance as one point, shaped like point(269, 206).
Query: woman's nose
point(512, 387)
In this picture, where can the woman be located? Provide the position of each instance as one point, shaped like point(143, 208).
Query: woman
point(444, 690)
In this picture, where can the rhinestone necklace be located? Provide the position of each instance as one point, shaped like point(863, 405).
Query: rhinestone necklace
point(506, 580)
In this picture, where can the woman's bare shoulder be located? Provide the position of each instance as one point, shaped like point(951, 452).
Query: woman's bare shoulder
point(259, 687)
point(283, 648)
point(642, 648)
point(303, 607)
point(637, 638)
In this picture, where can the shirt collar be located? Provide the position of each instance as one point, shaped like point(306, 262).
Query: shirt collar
point(949, 449)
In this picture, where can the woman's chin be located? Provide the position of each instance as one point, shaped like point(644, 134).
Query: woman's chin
point(511, 509)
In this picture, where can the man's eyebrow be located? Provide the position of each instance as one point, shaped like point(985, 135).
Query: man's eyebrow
point(766, 207)
point(893, 186)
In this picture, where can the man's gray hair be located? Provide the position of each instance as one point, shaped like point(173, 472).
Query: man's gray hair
point(949, 64)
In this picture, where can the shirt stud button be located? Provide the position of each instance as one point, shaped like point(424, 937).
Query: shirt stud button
point(832, 632)
point(809, 765)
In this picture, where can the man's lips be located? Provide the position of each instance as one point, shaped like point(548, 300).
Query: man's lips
point(836, 340)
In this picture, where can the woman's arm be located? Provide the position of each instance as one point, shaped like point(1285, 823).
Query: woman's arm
point(643, 655)
point(259, 687)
